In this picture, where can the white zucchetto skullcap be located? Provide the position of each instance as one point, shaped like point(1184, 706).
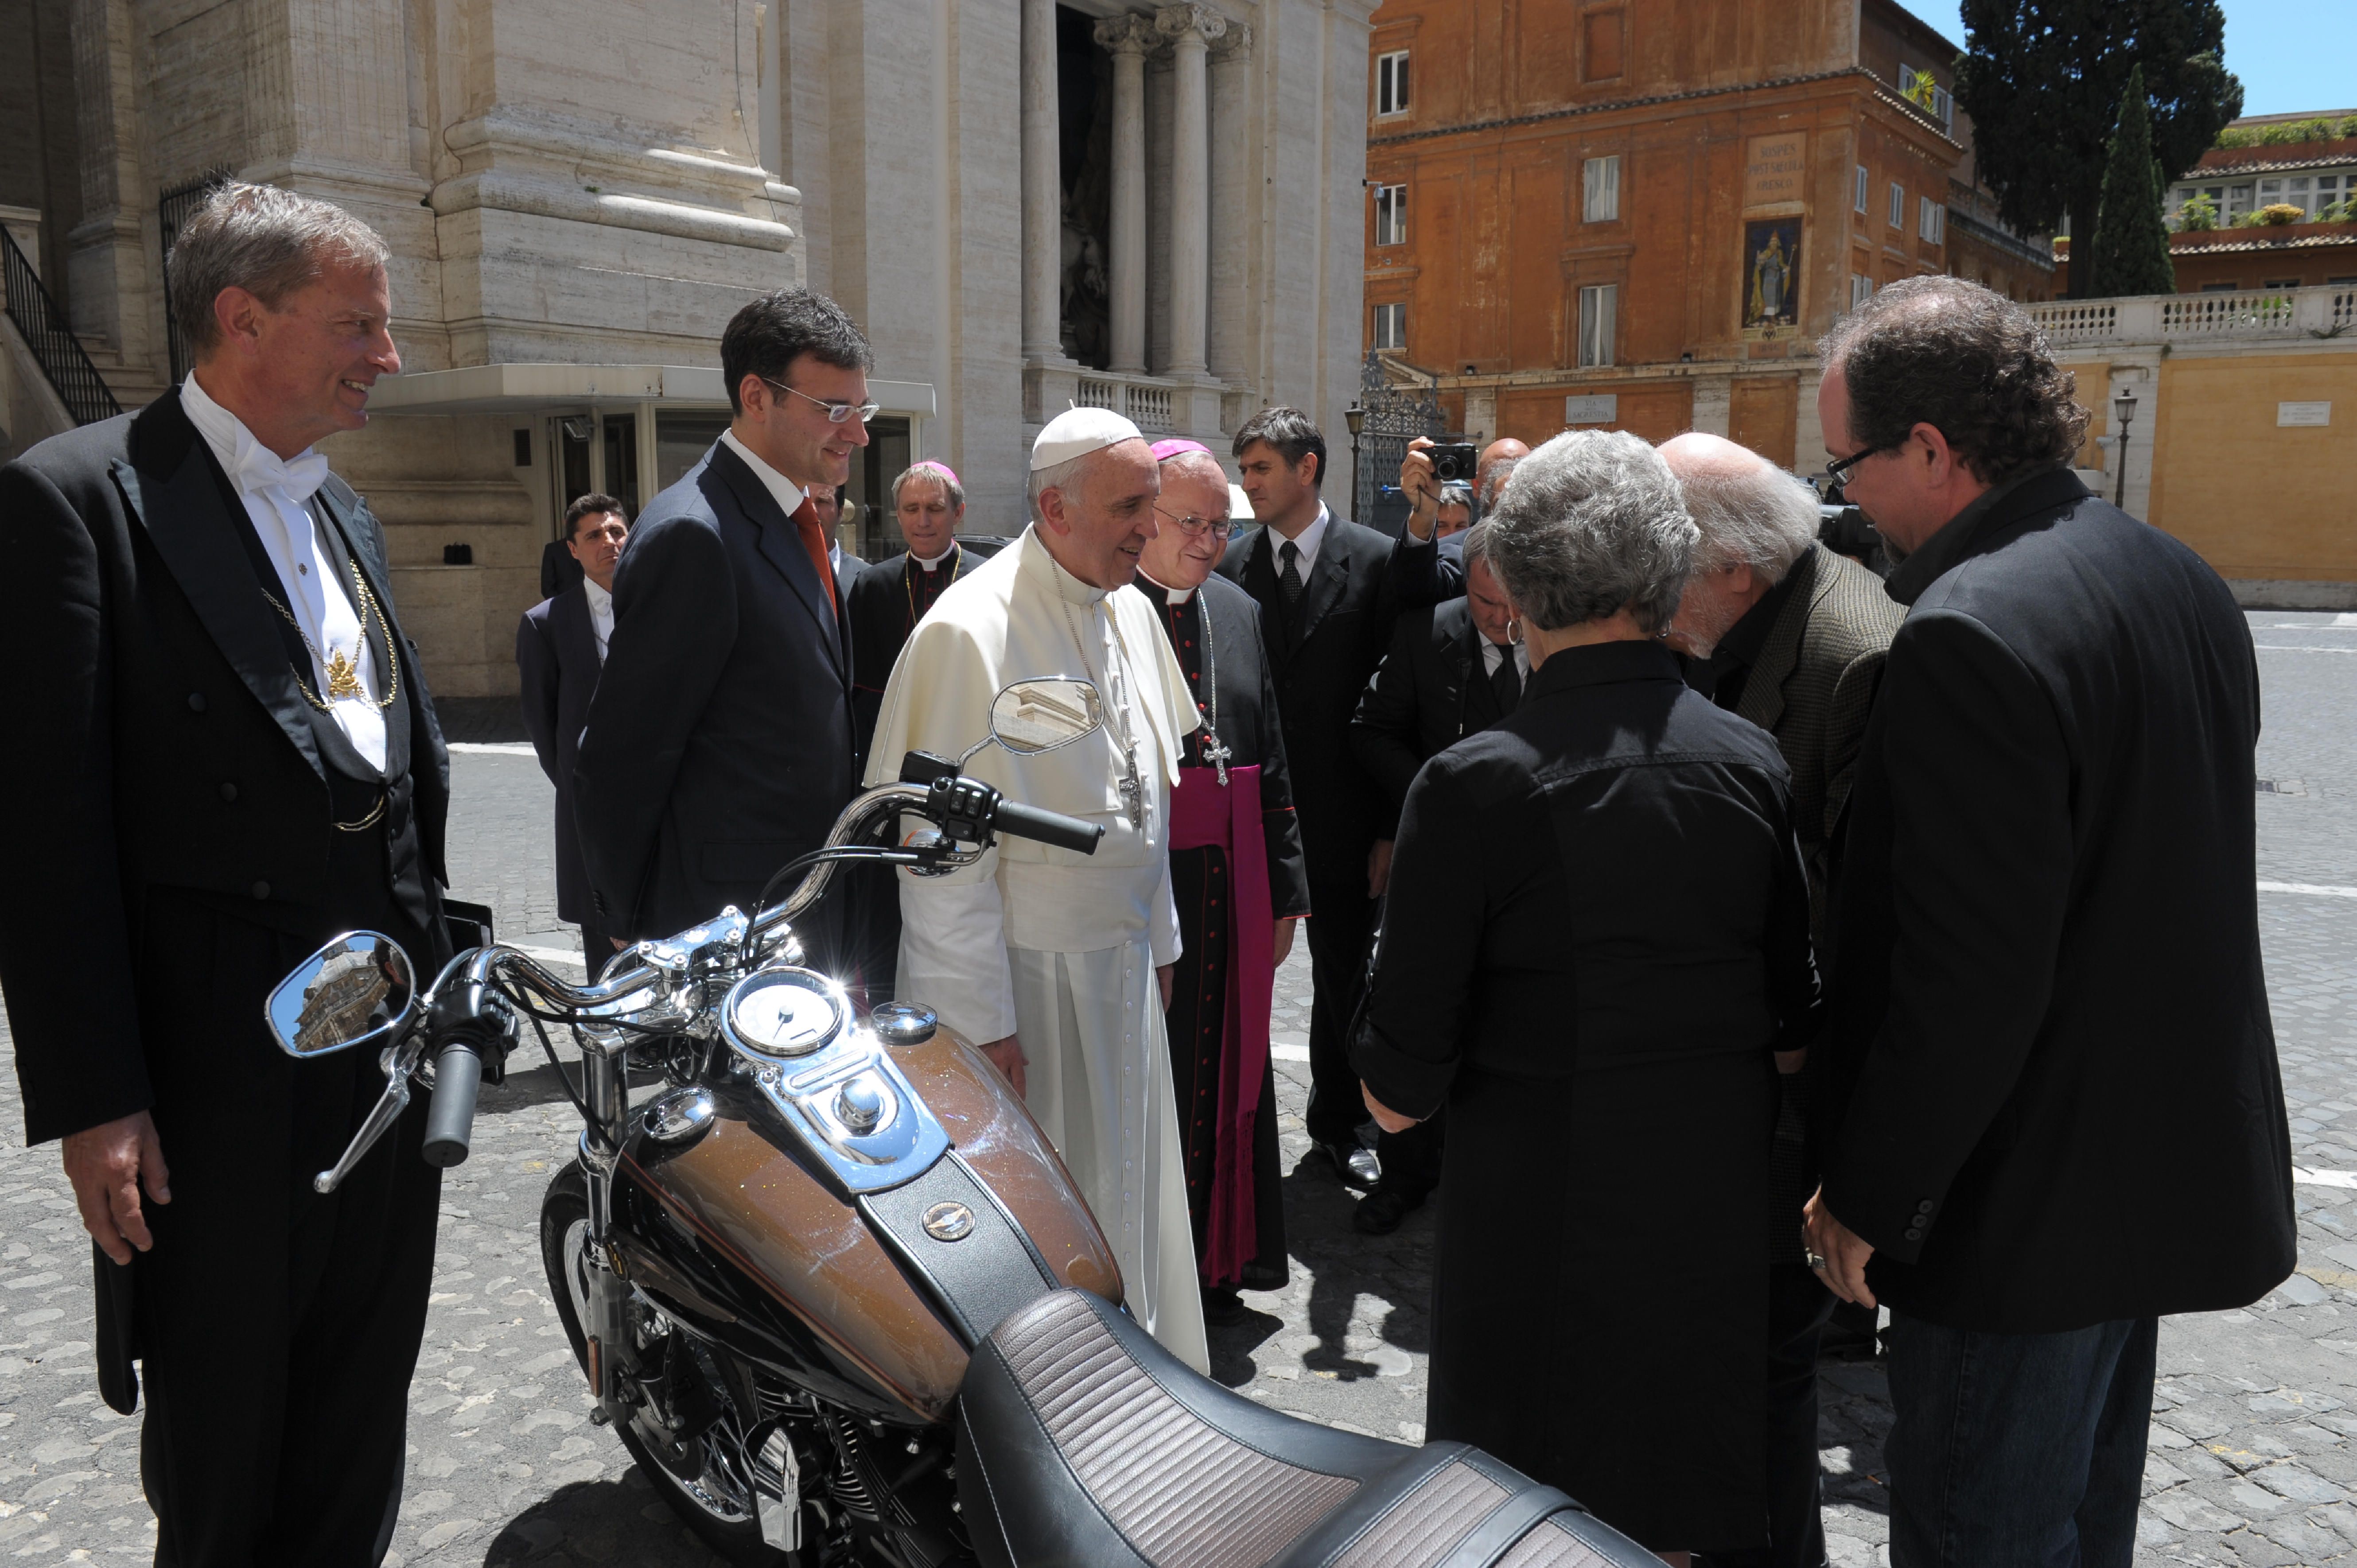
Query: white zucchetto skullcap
point(1077, 432)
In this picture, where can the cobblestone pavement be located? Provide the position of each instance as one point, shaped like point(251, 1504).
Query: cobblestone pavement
point(2251, 1458)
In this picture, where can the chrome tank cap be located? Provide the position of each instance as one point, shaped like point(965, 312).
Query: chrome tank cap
point(679, 1116)
point(904, 1023)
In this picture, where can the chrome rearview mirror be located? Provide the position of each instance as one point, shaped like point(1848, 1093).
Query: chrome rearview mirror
point(1032, 716)
point(359, 989)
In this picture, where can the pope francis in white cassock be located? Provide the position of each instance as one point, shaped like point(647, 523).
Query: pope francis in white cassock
point(1047, 959)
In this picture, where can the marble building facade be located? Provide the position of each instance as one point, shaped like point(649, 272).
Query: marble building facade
point(1151, 206)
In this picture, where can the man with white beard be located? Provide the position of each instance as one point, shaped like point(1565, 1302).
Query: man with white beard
point(1058, 964)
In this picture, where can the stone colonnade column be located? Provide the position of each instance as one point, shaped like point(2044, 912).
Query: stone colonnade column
point(1191, 29)
point(1128, 39)
point(1043, 187)
point(1232, 205)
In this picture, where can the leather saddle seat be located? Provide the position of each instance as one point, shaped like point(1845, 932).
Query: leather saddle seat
point(1082, 1442)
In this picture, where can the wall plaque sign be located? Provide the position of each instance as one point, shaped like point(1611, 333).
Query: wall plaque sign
point(1591, 408)
point(1775, 169)
point(2303, 414)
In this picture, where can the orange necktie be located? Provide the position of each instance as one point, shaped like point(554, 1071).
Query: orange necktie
point(806, 523)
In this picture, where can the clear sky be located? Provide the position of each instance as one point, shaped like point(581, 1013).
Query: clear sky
point(2292, 54)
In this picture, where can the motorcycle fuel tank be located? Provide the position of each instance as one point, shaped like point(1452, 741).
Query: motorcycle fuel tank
point(814, 1183)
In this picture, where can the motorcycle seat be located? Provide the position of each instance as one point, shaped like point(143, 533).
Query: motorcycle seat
point(1083, 1442)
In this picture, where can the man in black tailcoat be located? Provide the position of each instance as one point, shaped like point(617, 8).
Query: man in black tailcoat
point(928, 504)
point(1232, 816)
point(2056, 1110)
point(559, 648)
point(230, 758)
point(719, 744)
point(1329, 592)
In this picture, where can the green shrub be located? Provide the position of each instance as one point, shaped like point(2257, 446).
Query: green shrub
point(2278, 213)
point(2291, 133)
point(2198, 215)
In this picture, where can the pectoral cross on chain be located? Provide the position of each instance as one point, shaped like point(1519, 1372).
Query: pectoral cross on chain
point(1133, 793)
point(1216, 753)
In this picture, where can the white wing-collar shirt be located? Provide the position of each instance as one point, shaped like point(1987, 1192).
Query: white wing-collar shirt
point(277, 492)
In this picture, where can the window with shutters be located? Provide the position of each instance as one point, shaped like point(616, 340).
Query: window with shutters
point(1390, 215)
point(1390, 326)
point(1898, 205)
point(1861, 289)
point(1931, 220)
point(1857, 197)
point(1600, 189)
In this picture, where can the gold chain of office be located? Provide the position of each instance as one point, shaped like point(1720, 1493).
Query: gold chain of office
point(343, 670)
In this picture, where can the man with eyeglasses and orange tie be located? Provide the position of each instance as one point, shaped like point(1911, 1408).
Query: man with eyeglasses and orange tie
point(719, 744)
point(1237, 875)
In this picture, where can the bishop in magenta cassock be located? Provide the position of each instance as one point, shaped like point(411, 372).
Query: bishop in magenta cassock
point(1238, 881)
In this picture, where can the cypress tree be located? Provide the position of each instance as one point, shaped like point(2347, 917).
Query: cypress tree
point(2043, 79)
point(2128, 252)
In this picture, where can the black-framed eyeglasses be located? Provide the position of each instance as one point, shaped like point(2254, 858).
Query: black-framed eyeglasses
point(1840, 468)
point(836, 412)
point(1191, 526)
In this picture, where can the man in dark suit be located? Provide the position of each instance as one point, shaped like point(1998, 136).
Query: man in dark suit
point(928, 504)
point(719, 743)
point(560, 647)
point(228, 757)
point(1452, 671)
point(1781, 631)
point(2056, 1108)
point(1329, 592)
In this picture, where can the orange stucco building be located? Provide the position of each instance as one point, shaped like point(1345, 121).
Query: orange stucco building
point(1639, 214)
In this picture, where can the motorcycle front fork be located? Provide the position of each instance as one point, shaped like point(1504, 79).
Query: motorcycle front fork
point(605, 1093)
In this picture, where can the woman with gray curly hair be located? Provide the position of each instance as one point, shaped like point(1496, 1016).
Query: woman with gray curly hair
point(1596, 951)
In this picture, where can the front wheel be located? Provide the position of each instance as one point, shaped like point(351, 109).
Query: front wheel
point(685, 1436)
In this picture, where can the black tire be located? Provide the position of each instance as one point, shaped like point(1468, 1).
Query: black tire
point(563, 1219)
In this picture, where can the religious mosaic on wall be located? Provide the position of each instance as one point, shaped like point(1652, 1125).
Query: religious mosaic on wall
point(1771, 275)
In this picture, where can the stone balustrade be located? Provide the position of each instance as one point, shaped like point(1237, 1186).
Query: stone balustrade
point(2288, 315)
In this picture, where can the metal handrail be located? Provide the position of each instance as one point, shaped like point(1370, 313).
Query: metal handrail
point(54, 346)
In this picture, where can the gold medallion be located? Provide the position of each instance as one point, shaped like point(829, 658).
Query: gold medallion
point(343, 675)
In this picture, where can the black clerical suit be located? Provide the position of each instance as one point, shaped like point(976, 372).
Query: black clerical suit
point(1597, 933)
point(1248, 727)
point(191, 829)
point(719, 743)
point(558, 660)
point(1321, 649)
point(889, 599)
point(1433, 689)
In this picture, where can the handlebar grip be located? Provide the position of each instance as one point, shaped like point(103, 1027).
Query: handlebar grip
point(1049, 827)
point(451, 1119)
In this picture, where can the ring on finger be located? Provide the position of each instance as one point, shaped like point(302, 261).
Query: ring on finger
point(1814, 1259)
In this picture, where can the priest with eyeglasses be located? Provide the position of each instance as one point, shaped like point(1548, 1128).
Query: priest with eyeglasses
point(1238, 880)
point(1058, 964)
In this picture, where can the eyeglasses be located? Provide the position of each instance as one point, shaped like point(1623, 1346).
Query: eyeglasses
point(1839, 470)
point(1194, 527)
point(836, 412)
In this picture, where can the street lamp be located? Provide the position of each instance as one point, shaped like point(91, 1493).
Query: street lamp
point(1355, 416)
point(2123, 414)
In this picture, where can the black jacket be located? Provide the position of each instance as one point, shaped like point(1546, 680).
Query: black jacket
point(887, 601)
point(165, 756)
point(1321, 653)
point(719, 743)
point(556, 656)
point(2056, 1092)
point(1431, 691)
point(1690, 933)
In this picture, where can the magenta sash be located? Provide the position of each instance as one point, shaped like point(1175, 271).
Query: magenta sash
point(1204, 815)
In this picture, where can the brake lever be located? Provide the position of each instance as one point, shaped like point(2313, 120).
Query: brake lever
point(399, 1064)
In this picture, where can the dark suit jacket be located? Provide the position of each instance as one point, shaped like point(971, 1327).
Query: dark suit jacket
point(556, 654)
point(2056, 1096)
point(1431, 691)
point(167, 762)
point(1320, 654)
point(881, 625)
point(719, 743)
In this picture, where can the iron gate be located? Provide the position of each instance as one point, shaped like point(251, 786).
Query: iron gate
point(1396, 415)
point(172, 209)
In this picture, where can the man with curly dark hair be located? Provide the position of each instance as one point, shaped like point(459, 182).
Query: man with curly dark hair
point(2055, 1112)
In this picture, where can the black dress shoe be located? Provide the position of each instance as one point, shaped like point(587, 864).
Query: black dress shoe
point(1380, 1212)
point(1352, 1162)
point(1222, 1307)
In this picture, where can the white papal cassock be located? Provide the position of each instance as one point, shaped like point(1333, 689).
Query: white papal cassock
point(1056, 947)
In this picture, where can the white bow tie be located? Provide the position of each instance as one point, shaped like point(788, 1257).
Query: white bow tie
point(259, 471)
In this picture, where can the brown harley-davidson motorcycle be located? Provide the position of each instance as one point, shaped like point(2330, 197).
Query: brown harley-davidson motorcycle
point(832, 1288)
